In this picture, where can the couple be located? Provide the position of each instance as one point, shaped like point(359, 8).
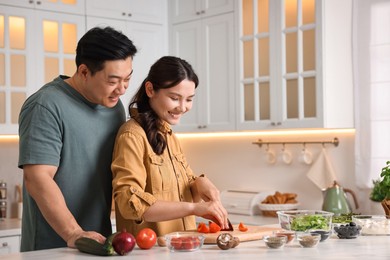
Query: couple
point(77, 151)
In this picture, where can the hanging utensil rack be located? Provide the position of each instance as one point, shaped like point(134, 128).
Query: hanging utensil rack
point(335, 142)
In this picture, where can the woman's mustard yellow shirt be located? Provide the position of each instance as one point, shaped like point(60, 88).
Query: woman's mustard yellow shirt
point(140, 177)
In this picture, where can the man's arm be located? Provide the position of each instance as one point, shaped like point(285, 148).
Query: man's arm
point(41, 186)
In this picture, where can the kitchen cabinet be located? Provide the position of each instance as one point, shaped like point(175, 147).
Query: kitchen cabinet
point(148, 11)
point(10, 233)
point(9, 245)
point(208, 45)
point(296, 64)
point(35, 47)
point(187, 10)
point(64, 6)
point(151, 42)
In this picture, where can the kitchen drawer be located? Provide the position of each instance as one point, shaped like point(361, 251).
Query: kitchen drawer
point(9, 245)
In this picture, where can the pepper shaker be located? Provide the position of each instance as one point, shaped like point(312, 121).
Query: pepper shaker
point(3, 209)
point(3, 190)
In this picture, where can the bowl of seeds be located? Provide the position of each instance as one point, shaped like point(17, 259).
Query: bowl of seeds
point(309, 239)
point(275, 241)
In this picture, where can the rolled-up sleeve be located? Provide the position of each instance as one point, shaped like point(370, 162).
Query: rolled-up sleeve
point(130, 176)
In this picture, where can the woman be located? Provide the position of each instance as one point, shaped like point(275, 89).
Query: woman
point(153, 185)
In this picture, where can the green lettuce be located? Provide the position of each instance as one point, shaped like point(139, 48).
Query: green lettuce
point(307, 222)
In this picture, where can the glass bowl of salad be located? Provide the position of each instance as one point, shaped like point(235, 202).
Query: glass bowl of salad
point(305, 220)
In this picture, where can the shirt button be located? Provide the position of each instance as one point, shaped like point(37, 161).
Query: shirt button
point(177, 175)
point(132, 189)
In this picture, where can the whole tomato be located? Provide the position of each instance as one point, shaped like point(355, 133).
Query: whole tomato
point(146, 238)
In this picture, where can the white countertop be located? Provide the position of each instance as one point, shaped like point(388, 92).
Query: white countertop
point(363, 247)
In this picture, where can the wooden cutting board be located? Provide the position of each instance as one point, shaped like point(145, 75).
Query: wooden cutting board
point(253, 233)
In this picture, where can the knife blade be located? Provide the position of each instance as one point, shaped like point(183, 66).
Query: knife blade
point(230, 228)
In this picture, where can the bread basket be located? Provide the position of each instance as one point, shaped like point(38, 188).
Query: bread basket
point(269, 210)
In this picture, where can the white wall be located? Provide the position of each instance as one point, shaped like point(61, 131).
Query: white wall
point(235, 163)
point(10, 173)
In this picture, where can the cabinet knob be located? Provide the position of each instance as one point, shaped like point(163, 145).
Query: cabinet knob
point(38, 2)
point(197, 13)
point(129, 14)
point(5, 244)
point(202, 12)
point(31, 2)
point(123, 14)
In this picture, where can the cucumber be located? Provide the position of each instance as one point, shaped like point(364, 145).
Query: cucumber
point(91, 246)
point(110, 238)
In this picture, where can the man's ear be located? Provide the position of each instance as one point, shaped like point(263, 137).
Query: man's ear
point(149, 88)
point(83, 71)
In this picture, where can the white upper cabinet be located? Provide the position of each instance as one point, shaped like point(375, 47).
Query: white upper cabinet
point(208, 45)
point(35, 47)
point(65, 6)
point(295, 64)
point(148, 11)
point(151, 42)
point(187, 10)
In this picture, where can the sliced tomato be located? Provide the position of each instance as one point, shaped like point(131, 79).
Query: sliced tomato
point(202, 228)
point(242, 227)
point(214, 227)
point(176, 242)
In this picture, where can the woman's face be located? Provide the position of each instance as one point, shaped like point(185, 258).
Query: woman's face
point(171, 103)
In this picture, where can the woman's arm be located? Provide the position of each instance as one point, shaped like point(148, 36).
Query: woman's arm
point(167, 210)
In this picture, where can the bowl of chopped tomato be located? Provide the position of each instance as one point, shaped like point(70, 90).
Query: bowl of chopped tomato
point(184, 241)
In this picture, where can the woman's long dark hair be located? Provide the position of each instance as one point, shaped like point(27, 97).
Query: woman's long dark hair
point(166, 72)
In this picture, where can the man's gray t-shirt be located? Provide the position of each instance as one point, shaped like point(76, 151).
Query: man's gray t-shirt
point(58, 126)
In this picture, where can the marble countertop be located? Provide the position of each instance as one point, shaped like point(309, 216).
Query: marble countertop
point(363, 247)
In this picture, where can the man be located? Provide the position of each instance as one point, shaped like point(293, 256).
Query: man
point(67, 131)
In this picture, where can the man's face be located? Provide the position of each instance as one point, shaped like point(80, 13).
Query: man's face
point(106, 86)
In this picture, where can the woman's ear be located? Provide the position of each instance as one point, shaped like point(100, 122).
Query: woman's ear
point(149, 88)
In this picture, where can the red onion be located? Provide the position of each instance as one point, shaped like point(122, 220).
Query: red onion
point(123, 242)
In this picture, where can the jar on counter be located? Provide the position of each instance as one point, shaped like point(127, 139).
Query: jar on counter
point(3, 209)
point(3, 190)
